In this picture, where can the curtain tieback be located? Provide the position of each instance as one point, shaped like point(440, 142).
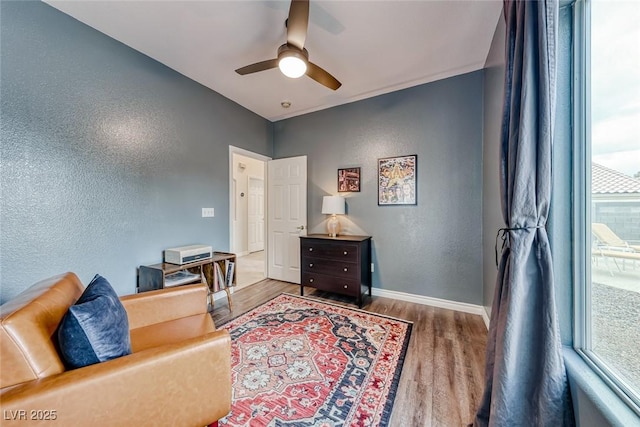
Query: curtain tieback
point(503, 233)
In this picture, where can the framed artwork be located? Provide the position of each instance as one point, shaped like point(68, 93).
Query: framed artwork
point(397, 180)
point(348, 180)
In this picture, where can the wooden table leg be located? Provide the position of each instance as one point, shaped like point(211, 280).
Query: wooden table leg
point(210, 299)
point(229, 298)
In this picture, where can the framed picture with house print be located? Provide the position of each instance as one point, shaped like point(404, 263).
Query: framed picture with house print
point(348, 180)
point(397, 180)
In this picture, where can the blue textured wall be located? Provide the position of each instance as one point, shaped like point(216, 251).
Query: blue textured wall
point(432, 249)
point(491, 200)
point(107, 156)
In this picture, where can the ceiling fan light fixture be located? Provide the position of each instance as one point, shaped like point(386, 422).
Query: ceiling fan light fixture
point(293, 58)
point(292, 66)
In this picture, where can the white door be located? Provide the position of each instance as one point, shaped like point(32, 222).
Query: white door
point(287, 216)
point(256, 214)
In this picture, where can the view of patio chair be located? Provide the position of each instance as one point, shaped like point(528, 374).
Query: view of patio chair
point(610, 246)
point(609, 240)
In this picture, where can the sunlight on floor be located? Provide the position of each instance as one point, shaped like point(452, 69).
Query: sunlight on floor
point(250, 269)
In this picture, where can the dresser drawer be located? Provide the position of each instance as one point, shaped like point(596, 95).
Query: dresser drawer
point(338, 251)
point(347, 270)
point(349, 287)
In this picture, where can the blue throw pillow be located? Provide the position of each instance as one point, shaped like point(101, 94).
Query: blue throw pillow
point(96, 328)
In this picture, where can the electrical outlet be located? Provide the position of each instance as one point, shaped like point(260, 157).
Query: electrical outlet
point(372, 268)
point(207, 213)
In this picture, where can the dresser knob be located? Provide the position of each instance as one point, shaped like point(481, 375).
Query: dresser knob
point(345, 286)
point(310, 265)
point(310, 249)
point(310, 280)
point(345, 252)
point(346, 269)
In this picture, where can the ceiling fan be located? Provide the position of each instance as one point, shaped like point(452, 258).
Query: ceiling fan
point(293, 58)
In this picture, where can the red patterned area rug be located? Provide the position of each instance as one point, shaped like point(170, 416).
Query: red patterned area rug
point(301, 362)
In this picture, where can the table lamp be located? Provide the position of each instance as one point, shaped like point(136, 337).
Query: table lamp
point(333, 205)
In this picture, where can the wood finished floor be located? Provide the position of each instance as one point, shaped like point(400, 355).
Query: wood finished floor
point(442, 377)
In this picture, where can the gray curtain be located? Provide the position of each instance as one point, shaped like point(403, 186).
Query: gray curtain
point(525, 378)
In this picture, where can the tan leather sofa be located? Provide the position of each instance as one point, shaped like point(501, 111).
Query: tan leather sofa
point(179, 373)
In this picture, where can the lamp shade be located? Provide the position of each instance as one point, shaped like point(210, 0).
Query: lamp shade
point(333, 205)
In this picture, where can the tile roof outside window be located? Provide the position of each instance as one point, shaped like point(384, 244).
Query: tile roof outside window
point(608, 181)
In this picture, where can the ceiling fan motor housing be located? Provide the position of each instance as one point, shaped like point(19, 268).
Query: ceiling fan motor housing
point(287, 50)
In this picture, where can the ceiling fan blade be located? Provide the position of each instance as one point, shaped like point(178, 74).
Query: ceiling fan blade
point(322, 76)
point(258, 66)
point(298, 22)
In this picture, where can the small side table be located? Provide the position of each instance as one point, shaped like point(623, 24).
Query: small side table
point(165, 275)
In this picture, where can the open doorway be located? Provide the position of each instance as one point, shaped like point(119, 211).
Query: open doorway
point(247, 195)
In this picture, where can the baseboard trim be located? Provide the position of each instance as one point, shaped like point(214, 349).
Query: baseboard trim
point(486, 316)
point(434, 302)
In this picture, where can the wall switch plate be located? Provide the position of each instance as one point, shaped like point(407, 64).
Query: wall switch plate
point(208, 213)
point(372, 268)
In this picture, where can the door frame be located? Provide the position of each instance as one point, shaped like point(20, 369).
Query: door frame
point(264, 207)
point(246, 153)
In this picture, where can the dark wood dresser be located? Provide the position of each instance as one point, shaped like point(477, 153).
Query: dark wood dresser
point(336, 264)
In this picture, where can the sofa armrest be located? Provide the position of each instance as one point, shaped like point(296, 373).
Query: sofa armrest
point(163, 305)
point(180, 384)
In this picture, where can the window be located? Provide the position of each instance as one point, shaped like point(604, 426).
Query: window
point(608, 192)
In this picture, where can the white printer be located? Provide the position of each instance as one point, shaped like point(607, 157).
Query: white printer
point(187, 254)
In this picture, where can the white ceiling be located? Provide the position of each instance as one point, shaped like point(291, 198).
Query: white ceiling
point(372, 47)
